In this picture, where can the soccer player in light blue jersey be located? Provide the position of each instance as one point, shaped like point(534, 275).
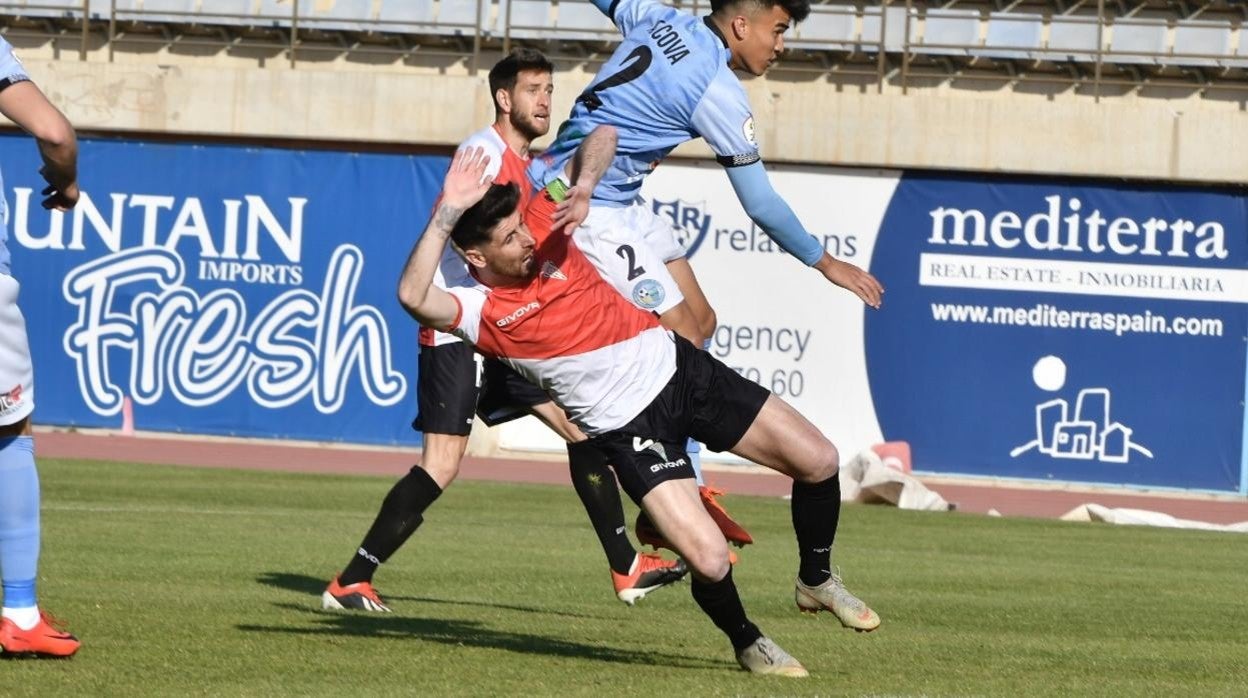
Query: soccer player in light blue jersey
point(672, 80)
point(24, 629)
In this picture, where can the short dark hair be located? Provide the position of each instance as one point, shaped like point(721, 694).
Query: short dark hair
point(473, 228)
point(503, 74)
point(797, 9)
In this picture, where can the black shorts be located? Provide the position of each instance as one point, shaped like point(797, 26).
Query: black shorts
point(450, 389)
point(704, 399)
point(505, 394)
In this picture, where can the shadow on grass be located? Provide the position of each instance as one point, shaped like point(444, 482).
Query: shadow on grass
point(313, 586)
point(468, 633)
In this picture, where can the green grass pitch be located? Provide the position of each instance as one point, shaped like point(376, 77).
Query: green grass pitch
point(182, 581)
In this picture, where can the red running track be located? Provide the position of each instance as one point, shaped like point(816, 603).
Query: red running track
point(1008, 499)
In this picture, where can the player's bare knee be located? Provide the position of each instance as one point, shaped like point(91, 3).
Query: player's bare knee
point(441, 457)
point(441, 471)
point(825, 462)
point(709, 562)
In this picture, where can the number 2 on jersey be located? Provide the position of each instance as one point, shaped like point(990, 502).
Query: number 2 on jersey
point(632, 68)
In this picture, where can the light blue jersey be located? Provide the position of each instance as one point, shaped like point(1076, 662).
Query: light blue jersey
point(667, 83)
point(11, 71)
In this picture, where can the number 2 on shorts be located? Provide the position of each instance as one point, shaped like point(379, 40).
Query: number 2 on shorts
point(626, 253)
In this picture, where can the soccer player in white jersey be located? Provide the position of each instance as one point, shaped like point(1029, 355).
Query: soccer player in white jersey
point(671, 80)
point(638, 390)
point(24, 628)
point(452, 385)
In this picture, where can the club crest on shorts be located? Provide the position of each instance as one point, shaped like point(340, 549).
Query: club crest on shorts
point(648, 294)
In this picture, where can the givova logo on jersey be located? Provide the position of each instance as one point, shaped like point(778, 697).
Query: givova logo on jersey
point(199, 329)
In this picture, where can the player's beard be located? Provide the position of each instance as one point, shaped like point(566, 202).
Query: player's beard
point(529, 127)
point(527, 266)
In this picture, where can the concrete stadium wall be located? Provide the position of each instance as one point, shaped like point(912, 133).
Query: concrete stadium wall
point(1175, 137)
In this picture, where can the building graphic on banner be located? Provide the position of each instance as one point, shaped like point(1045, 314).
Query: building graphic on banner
point(1087, 433)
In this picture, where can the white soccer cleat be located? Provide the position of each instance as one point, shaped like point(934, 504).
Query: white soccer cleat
point(834, 597)
point(766, 658)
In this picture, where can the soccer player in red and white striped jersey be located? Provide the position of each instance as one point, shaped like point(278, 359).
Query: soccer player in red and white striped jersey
point(637, 390)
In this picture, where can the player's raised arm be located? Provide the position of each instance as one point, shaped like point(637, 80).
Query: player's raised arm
point(766, 208)
point(465, 184)
point(24, 104)
point(585, 169)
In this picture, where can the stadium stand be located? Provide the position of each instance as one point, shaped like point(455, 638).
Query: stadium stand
point(1142, 42)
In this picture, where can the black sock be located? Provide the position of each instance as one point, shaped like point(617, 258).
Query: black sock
point(722, 603)
point(595, 485)
point(398, 519)
point(816, 510)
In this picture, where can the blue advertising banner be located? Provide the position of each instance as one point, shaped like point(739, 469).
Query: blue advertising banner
point(222, 289)
point(1067, 331)
point(1041, 329)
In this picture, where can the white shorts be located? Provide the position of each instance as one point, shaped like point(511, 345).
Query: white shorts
point(630, 246)
point(17, 380)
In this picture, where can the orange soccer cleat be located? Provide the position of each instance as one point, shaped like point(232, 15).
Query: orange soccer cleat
point(360, 596)
point(649, 572)
point(44, 640)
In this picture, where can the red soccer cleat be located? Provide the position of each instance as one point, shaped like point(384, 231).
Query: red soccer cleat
point(732, 530)
point(360, 596)
point(44, 640)
point(649, 572)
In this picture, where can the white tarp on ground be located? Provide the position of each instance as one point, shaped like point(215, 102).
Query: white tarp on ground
point(866, 479)
point(1143, 517)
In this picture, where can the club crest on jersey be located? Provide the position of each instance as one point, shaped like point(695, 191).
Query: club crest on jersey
point(550, 271)
point(747, 130)
point(640, 445)
point(648, 294)
point(11, 399)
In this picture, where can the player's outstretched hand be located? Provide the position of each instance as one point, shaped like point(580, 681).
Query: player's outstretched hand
point(466, 182)
point(852, 279)
point(572, 211)
point(60, 195)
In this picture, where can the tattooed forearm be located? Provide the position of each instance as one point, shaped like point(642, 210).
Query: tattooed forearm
point(447, 217)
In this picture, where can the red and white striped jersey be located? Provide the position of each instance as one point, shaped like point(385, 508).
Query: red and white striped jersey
point(506, 167)
point(599, 357)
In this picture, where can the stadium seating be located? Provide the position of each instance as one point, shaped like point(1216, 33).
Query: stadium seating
point(409, 17)
point(1154, 35)
point(829, 27)
point(1012, 35)
point(950, 32)
point(1073, 38)
point(47, 8)
point(888, 27)
point(1138, 41)
point(577, 20)
point(1196, 43)
point(527, 19)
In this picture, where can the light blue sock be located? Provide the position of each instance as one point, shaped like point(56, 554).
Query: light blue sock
point(694, 449)
point(19, 521)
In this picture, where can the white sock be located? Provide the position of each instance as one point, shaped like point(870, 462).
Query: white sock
point(23, 618)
